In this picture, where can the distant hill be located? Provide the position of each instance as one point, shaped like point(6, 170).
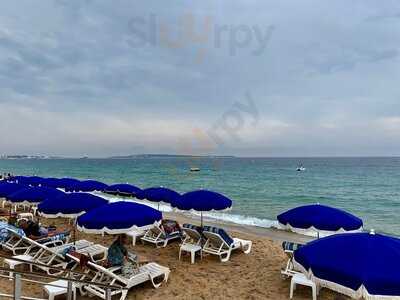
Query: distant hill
point(135, 156)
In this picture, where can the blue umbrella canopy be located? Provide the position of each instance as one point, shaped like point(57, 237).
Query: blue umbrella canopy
point(88, 186)
point(319, 218)
point(158, 194)
point(117, 218)
point(17, 179)
point(33, 195)
point(356, 264)
point(203, 200)
point(69, 205)
point(33, 180)
point(123, 189)
point(51, 182)
point(66, 183)
point(7, 189)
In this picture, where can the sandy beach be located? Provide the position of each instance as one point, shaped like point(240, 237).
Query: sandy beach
point(253, 276)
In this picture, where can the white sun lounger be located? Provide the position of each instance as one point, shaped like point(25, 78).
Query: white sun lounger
point(148, 272)
point(157, 236)
point(289, 248)
point(136, 233)
point(221, 244)
point(14, 243)
point(96, 252)
point(18, 243)
point(192, 242)
point(192, 235)
point(47, 258)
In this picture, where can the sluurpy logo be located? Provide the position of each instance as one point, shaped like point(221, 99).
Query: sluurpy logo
point(198, 33)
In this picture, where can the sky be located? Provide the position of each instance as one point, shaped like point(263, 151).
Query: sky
point(239, 77)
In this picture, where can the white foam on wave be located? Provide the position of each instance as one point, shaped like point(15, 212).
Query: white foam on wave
point(215, 216)
point(114, 198)
point(241, 220)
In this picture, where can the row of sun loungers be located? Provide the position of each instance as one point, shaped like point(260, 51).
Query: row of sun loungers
point(159, 237)
point(211, 240)
point(215, 241)
point(18, 243)
point(54, 256)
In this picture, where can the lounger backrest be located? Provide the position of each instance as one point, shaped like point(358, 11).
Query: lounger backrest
point(107, 272)
point(193, 232)
point(62, 236)
point(42, 246)
point(15, 231)
point(290, 246)
point(217, 232)
point(156, 230)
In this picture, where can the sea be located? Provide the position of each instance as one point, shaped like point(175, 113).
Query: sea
point(261, 188)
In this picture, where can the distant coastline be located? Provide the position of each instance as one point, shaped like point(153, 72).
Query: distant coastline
point(168, 156)
point(149, 156)
point(133, 156)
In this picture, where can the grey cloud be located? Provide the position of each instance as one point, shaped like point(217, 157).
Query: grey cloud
point(323, 72)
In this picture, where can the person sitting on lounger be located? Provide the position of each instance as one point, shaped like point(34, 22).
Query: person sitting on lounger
point(118, 255)
point(117, 252)
point(33, 229)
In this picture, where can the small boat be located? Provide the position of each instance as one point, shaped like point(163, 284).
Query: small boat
point(194, 169)
point(300, 168)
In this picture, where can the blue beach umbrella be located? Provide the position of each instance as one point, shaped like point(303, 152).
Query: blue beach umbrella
point(33, 195)
point(117, 218)
point(88, 186)
point(33, 180)
point(7, 189)
point(320, 219)
point(203, 200)
point(360, 265)
point(159, 194)
point(51, 182)
point(69, 205)
point(123, 189)
point(66, 183)
point(17, 179)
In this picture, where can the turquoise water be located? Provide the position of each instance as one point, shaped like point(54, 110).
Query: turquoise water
point(261, 188)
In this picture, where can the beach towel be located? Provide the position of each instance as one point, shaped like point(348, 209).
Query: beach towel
point(55, 236)
point(290, 246)
point(222, 233)
point(194, 227)
point(170, 227)
point(4, 233)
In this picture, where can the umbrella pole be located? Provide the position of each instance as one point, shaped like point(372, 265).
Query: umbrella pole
point(74, 231)
point(201, 214)
point(158, 205)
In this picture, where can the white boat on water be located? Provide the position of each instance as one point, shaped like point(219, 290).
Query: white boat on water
point(194, 169)
point(300, 169)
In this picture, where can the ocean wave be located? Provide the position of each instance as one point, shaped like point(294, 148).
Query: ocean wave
point(242, 220)
point(212, 216)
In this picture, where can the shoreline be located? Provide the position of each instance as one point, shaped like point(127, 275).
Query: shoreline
point(276, 235)
point(272, 233)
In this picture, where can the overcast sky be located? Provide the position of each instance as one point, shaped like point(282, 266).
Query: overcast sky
point(241, 77)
